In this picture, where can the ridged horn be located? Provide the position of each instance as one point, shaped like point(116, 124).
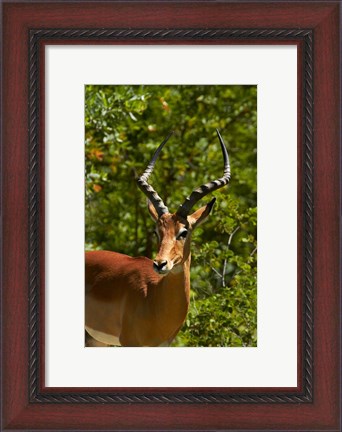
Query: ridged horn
point(205, 189)
point(147, 188)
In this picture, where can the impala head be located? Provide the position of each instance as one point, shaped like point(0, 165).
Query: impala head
point(174, 229)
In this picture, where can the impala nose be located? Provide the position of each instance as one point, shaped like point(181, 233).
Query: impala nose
point(159, 266)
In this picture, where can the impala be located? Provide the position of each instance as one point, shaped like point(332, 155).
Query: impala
point(137, 301)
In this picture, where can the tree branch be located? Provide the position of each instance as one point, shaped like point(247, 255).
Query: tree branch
point(225, 260)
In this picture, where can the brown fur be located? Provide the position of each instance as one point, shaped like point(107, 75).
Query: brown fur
point(127, 299)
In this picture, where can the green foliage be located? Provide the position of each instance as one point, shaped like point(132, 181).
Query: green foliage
point(124, 125)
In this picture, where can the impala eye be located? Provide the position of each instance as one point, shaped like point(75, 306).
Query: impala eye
point(182, 234)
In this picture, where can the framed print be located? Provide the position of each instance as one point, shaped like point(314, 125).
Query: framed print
point(90, 90)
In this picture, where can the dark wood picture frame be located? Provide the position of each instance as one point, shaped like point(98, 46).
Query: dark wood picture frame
point(27, 403)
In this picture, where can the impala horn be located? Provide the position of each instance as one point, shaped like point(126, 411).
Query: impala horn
point(147, 188)
point(203, 190)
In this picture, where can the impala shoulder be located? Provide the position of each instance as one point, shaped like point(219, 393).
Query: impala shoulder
point(141, 274)
point(102, 258)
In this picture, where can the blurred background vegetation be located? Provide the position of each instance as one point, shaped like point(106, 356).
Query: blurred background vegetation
point(123, 127)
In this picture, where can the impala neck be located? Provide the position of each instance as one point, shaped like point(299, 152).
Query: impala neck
point(180, 278)
point(173, 297)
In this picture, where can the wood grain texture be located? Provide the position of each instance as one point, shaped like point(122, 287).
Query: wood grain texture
point(18, 413)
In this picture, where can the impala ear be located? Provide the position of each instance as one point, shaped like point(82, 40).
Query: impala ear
point(152, 211)
point(200, 215)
